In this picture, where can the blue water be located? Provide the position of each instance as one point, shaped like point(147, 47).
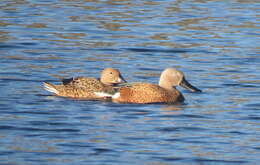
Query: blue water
point(215, 43)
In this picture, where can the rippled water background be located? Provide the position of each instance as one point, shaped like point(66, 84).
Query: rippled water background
point(216, 44)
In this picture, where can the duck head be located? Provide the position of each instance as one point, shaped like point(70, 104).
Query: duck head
point(110, 76)
point(171, 78)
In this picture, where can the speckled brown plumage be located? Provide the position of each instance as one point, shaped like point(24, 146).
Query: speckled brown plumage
point(82, 87)
point(85, 87)
point(143, 93)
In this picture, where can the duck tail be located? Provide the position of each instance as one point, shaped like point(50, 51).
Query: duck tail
point(50, 87)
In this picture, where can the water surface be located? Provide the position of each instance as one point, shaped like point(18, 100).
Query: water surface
point(215, 43)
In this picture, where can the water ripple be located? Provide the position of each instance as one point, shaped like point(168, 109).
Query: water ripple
point(220, 161)
point(178, 129)
point(37, 129)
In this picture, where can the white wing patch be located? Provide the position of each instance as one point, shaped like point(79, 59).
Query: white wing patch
point(102, 94)
point(116, 95)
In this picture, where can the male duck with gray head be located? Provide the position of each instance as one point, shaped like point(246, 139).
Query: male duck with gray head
point(85, 87)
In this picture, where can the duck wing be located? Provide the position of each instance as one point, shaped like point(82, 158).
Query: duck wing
point(82, 83)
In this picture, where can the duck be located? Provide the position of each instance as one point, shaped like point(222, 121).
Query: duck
point(164, 92)
point(85, 87)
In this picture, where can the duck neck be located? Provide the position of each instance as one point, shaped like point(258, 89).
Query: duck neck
point(166, 84)
point(108, 84)
point(105, 82)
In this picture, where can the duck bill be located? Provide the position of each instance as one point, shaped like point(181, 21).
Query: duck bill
point(121, 80)
point(185, 84)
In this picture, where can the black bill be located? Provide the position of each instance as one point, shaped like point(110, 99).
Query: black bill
point(122, 79)
point(185, 84)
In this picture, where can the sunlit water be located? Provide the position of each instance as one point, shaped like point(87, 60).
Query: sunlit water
point(215, 43)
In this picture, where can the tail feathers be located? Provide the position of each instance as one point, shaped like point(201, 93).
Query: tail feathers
point(51, 88)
